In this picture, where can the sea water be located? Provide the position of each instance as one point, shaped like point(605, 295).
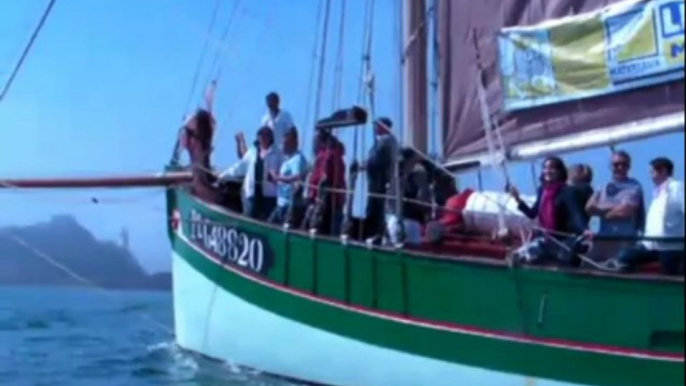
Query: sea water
point(85, 337)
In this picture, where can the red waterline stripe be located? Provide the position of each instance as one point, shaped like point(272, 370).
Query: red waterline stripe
point(450, 327)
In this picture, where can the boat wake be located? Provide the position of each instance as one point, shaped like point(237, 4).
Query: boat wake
point(189, 367)
point(77, 339)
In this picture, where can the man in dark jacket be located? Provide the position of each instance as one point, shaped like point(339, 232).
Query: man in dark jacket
point(380, 167)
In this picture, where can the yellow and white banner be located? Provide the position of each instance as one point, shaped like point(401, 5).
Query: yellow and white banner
point(625, 46)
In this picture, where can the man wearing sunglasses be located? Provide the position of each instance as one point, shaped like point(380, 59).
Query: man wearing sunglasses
point(620, 207)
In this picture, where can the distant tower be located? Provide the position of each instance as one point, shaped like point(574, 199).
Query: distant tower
point(125, 239)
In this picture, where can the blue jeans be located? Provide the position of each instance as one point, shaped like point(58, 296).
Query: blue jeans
point(279, 215)
point(672, 262)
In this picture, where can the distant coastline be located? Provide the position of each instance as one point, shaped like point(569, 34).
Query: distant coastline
point(104, 263)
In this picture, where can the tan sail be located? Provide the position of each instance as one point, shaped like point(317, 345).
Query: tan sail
point(469, 33)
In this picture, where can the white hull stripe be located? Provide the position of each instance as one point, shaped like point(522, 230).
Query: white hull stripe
point(596, 349)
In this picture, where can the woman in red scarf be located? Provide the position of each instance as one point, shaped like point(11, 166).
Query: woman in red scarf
point(557, 211)
point(326, 206)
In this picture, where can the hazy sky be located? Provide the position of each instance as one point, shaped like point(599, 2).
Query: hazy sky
point(106, 86)
point(107, 82)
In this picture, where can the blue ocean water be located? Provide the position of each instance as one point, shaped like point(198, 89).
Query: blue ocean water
point(82, 337)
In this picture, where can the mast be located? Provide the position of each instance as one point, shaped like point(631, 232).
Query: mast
point(415, 75)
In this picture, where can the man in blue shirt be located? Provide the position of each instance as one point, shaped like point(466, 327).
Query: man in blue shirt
point(289, 180)
point(620, 207)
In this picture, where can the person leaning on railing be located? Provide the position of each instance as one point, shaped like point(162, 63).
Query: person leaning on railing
point(257, 166)
point(619, 206)
point(665, 219)
point(326, 196)
point(416, 206)
point(289, 179)
point(557, 211)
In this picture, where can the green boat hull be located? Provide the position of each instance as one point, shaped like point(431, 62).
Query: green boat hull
point(461, 316)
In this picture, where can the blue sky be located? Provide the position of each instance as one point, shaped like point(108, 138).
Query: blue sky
point(104, 90)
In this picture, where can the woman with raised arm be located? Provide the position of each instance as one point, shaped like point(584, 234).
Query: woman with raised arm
point(558, 213)
point(196, 138)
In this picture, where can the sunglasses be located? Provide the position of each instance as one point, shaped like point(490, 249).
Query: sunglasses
point(620, 164)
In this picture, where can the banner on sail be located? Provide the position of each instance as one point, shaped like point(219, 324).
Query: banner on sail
point(625, 46)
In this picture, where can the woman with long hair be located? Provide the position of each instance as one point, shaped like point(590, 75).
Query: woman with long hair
point(559, 215)
point(327, 181)
point(196, 138)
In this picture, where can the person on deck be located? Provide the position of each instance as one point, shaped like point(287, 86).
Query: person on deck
point(196, 137)
point(326, 185)
point(289, 181)
point(558, 213)
point(277, 119)
point(665, 219)
point(416, 205)
point(580, 181)
point(620, 207)
point(450, 217)
point(380, 168)
point(257, 166)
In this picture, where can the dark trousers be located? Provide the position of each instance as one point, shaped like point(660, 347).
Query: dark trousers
point(672, 262)
point(279, 216)
point(545, 249)
point(375, 220)
point(324, 216)
point(259, 207)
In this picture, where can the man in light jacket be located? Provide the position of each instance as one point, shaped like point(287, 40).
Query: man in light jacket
point(257, 166)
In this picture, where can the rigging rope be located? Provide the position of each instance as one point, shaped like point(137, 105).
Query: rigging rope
point(488, 125)
point(365, 67)
point(338, 71)
point(215, 68)
point(369, 78)
point(249, 64)
point(244, 79)
point(56, 264)
point(313, 66)
point(397, 50)
point(322, 59)
point(402, 100)
point(415, 34)
point(435, 82)
point(201, 61)
point(27, 49)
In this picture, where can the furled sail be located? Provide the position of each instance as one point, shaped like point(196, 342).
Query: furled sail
point(612, 70)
